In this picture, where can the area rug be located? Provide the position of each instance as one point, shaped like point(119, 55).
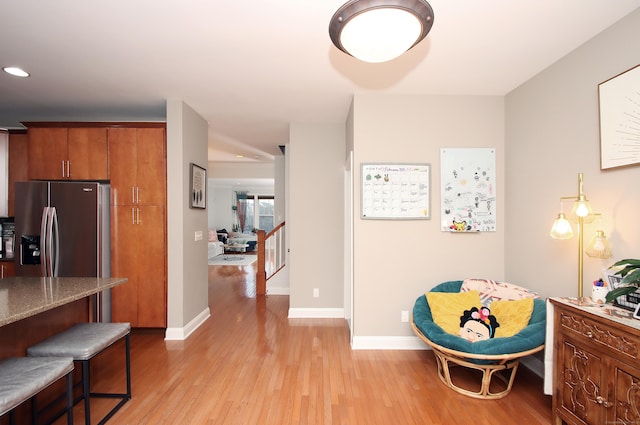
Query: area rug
point(232, 260)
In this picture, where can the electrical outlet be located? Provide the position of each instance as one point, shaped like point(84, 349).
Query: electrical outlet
point(316, 292)
point(198, 235)
point(404, 316)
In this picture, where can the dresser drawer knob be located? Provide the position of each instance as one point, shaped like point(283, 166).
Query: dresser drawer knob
point(601, 400)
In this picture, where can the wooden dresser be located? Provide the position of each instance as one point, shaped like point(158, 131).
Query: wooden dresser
point(596, 365)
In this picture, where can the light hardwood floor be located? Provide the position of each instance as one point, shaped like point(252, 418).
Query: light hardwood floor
point(249, 364)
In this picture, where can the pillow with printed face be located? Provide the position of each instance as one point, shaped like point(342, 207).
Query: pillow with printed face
point(447, 307)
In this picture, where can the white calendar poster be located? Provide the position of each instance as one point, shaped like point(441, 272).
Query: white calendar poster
point(395, 191)
point(468, 189)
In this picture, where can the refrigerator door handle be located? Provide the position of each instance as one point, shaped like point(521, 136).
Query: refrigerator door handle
point(47, 253)
point(55, 253)
point(43, 241)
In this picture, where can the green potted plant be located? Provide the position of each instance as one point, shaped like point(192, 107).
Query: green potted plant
point(630, 274)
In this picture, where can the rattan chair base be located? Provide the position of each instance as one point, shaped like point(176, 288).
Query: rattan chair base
point(502, 367)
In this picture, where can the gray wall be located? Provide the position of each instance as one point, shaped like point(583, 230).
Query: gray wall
point(315, 214)
point(187, 258)
point(552, 134)
point(397, 261)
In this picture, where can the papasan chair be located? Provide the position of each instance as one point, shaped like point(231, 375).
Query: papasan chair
point(496, 357)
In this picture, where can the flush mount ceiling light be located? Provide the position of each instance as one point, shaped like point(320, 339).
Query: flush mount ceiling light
point(18, 72)
point(380, 30)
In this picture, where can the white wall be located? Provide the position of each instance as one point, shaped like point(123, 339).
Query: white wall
point(395, 261)
point(187, 258)
point(552, 134)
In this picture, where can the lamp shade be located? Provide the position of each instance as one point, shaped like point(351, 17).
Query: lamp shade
point(582, 208)
point(380, 30)
point(599, 247)
point(561, 228)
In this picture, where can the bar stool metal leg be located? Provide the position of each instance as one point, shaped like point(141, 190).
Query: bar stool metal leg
point(86, 391)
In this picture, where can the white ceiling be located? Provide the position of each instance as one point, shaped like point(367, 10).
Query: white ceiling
point(251, 68)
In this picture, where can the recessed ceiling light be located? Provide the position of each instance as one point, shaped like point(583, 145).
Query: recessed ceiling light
point(18, 72)
point(239, 156)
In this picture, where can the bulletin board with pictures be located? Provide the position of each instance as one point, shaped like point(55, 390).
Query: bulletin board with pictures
point(468, 189)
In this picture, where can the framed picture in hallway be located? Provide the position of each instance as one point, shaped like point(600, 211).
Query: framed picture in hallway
point(197, 187)
point(395, 191)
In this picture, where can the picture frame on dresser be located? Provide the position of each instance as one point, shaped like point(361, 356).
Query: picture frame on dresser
point(197, 187)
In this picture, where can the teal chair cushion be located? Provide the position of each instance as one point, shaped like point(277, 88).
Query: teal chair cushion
point(530, 337)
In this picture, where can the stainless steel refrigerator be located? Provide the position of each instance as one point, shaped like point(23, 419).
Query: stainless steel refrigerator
point(62, 229)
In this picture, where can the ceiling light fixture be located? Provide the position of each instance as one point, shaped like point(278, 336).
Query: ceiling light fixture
point(380, 30)
point(15, 71)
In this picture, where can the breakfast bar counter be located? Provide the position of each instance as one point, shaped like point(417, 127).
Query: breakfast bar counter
point(24, 297)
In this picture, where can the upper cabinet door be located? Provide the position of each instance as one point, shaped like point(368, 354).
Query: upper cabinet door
point(68, 153)
point(137, 162)
point(152, 167)
point(87, 149)
point(123, 164)
point(47, 153)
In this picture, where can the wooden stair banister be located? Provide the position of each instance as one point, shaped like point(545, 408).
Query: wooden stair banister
point(275, 240)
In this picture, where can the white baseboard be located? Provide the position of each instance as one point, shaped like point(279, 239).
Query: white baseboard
point(388, 343)
point(277, 291)
point(316, 313)
point(180, 334)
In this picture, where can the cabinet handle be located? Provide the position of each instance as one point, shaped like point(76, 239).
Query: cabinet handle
point(133, 215)
point(2, 272)
point(602, 401)
point(133, 195)
point(589, 334)
point(62, 163)
point(137, 194)
point(69, 169)
point(138, 221)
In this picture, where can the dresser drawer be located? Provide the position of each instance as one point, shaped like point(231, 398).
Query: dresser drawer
point(600, 333)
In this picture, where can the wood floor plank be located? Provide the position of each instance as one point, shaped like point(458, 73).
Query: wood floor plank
point(250, 364)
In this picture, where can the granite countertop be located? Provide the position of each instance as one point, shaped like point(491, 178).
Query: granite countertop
point(22, 297)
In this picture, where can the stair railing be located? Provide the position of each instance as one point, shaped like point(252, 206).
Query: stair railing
point(271, 256)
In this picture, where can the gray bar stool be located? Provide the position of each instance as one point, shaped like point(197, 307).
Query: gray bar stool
point(83, 342)
point(22, 378)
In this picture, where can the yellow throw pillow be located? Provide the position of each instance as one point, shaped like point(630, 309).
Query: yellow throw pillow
point(447, 307)
point(513, 316)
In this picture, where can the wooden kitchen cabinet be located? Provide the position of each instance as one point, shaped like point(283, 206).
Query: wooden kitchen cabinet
point(596, 370)
point(139, 171)
point(137, 162)
point(18, 164)
point(139, 254)
point(7, 269)
point(66, 152)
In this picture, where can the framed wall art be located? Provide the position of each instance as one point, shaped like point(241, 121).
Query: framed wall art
point(619, 104)
point(468, 192)
point(197, 187)
point(395, 191)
